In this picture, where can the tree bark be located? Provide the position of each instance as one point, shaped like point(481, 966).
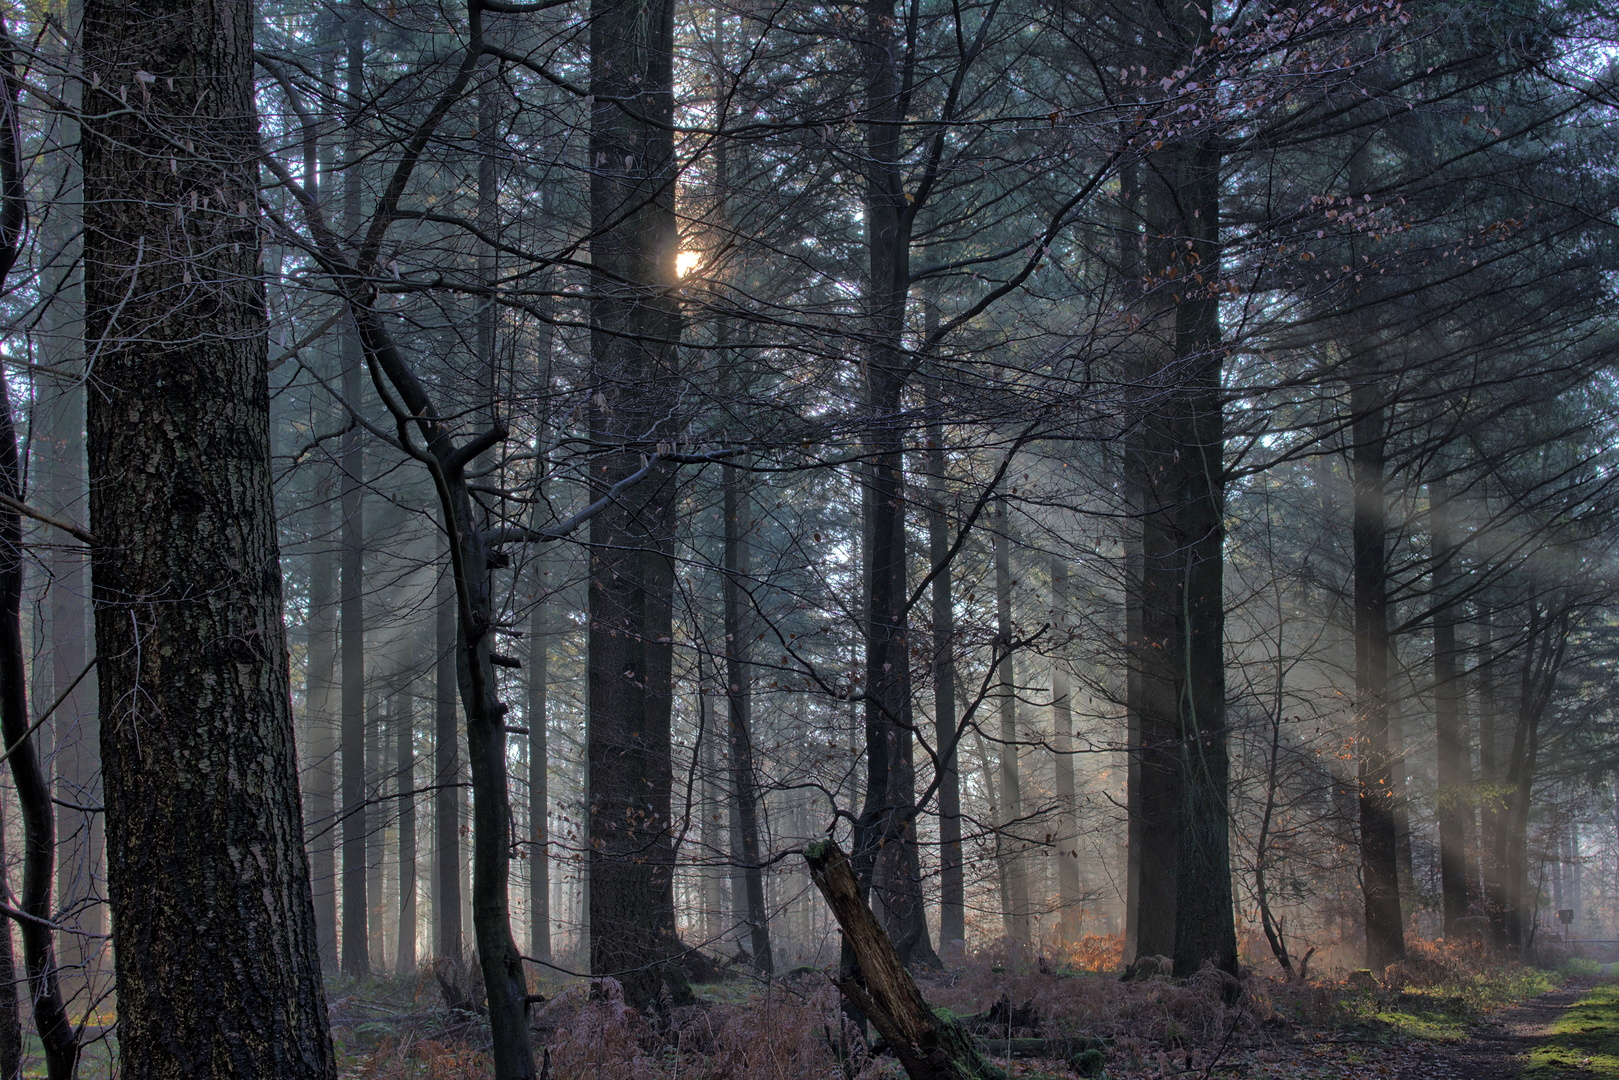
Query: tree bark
point(539, 764)
point(320, 699)
point(929, 1046)
point(635, 323)
point(404, 719)
point(218, 971)
point(744, 784)
point(1455, 782)
point(448, 798)
point(952, 877)
point(1379, 836)
point(1009, 812)
point(885, 835)
point(55, 1029)
point(351, 610)
point(1062, 725)
point(1151, 631)
point(1205, 929)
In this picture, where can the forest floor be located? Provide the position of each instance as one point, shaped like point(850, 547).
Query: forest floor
point(1442, 1014)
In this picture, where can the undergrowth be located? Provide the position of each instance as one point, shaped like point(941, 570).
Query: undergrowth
point(792, 1028)
point(1435, 994)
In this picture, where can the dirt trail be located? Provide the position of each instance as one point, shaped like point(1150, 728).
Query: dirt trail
point(1496, 1048)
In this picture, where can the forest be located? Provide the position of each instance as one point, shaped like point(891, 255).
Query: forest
point(550, 536)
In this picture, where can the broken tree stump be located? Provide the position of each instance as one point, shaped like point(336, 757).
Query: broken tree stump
point(929, 1046)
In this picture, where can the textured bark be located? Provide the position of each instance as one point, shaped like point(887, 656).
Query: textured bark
point(218, 971)
point(1009, 811)
point(929, 1046)
point(635, 324)
point(1453, 798)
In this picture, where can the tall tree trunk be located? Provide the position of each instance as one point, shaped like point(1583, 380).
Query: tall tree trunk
point(1062, 730)
point(377, 768)
point(21, 738)
point(351, 610)
point(1491, 806)
point(1379, 835)
point(33, 789)
point(1454, 795)
point(1154, 795)
point(1205, 930)
point(58, 439)
point(448, 797)
point(885, 851)
point(635, 323)
point(11, 1044)
point(1008, 845)
point(404, 720)
point(952, 877)
point(320, 700)
point(738, 698)
point(218, 972)
point(539, 763)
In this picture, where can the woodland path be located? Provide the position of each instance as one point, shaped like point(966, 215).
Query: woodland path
point(1497, 1048)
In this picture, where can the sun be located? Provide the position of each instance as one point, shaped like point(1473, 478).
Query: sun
point(685, 261)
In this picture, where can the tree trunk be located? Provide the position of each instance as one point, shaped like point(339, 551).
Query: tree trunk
point(1062, 725)
point(378, 751)
point(1379, 836)
point(1151, 600)
point(539, 763)
point(885, 833)
point(33, 789)
point(635, 324)
point(928, 1045)
point(1008, 845)
point(404, 718)
point(320, 699)
point(10, 1014)
point(1205, 930)
point(218, 972)
point(447, 799)
point(738, 698)
point(58, 446)
point(1454, 795)
point(952, 877)
point(351, 610)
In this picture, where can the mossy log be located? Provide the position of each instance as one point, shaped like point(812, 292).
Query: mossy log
point(928, 1045)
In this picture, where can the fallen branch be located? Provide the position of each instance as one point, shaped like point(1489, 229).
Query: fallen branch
point(929, 1046)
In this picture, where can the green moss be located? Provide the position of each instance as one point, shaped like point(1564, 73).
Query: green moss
point(1442, 1013)
point(1585, 1040)
point(818, 849)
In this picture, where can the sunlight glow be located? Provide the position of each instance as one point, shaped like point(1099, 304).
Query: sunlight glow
point(685, 261)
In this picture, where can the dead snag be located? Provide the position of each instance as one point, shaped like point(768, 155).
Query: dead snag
point(929, 1046)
